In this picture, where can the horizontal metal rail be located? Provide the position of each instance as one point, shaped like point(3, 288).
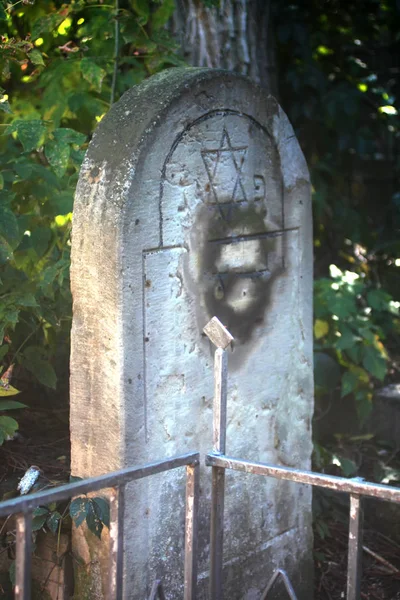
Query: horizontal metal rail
point(218, 461)
point(23, 507)
point(118, 478)
point(331, 482)
point(356, 487)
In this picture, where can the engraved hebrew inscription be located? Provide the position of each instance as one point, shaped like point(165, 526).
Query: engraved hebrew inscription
point(223, 176)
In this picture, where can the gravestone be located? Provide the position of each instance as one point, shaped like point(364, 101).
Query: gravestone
point(194, 201)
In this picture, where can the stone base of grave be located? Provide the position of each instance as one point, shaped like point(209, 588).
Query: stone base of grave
point(91, 564)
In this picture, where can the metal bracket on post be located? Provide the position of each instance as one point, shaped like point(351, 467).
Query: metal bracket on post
point(221, 338)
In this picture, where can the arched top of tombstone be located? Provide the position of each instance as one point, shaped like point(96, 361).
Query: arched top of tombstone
point(201, 150)
point(151, 116)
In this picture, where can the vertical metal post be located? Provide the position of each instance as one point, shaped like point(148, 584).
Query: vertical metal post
point(117, 507)
point(220, 391)
point(218, 476)
point(221, 338)
point(355, 548)
point(191, 529)
point(24, 557)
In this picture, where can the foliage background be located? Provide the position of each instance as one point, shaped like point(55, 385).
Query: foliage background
point(64, 64)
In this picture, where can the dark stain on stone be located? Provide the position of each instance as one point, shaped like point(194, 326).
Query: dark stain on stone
point(137, 221)
point(148, 283)
point(94, 175)
point(238, 295)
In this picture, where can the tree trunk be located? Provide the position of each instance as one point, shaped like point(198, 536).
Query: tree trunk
point(236, 36)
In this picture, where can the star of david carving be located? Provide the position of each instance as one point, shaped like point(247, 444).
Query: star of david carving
point(224, 169)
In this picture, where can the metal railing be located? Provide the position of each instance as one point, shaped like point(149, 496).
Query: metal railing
point(24, 506)
point(219, 462)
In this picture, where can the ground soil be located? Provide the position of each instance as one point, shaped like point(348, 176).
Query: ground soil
point(381, 570)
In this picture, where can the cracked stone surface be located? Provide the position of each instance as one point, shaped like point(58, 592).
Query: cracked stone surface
point(194, 201)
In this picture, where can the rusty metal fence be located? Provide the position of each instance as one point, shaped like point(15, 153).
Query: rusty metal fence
point(219, 462)
point(24, 506)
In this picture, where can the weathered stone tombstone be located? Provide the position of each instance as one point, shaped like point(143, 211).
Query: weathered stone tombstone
point(194, 201)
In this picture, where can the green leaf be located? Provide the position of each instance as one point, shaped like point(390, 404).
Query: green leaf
point(348, 466)
point(9, 229)
point(30, 133)
point(142, 8)
point(47, 175)
point(11, 404)
point(321, 329)
point(78, 510)
point(40, 511)
point(347, 338)
point(25, 300)
point(69, 136)
point(40, 239)
point(355, 353)
point(35, 56)
point(93, 521)
point(46, 24)
point(32, 360)
point(343, 305)
point(53, 521)
point(12, 572)
point(349, 383)
point(57, 153)
point(8, 426)
point(102, 508)
point(379, 300)
point(39, 518)
point(3, 350)
point(92, 73)
point(326, 371)
point(363, 404)
point(62, 203)
point(374, 363)
point(7, 390)
point(5, 105)
point(6, 252)
point(162, 14)
point(367, 333)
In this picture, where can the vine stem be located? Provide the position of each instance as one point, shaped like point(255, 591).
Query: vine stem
point(116, 52)
point(12, 5)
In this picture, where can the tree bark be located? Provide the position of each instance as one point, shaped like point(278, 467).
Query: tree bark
point(236, 35)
